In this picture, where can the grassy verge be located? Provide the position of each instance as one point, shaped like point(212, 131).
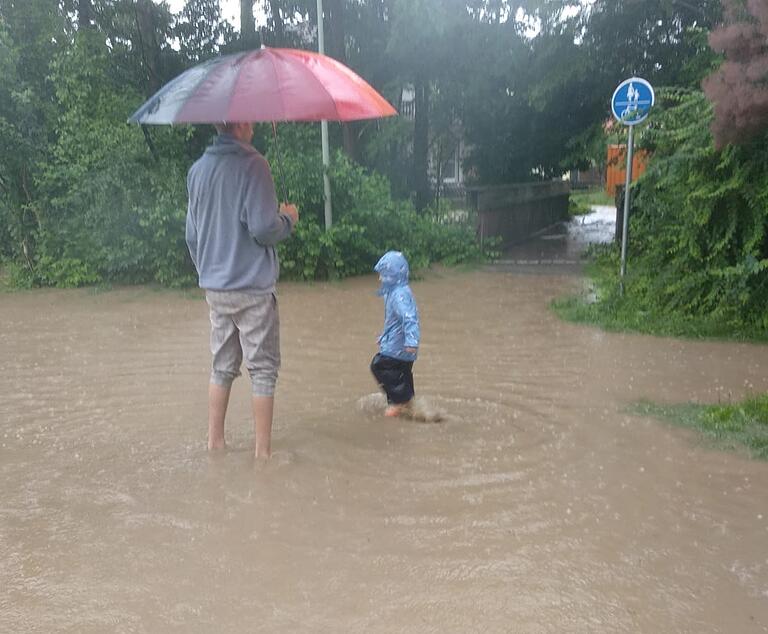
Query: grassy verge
point(581, 201)
point(736, 426)
point(602, 305)
point(5, 279)
point(591, 197)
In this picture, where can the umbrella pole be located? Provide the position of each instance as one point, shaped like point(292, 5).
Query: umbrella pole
point(280, 163)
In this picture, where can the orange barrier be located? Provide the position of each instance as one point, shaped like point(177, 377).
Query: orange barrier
point(615, 171)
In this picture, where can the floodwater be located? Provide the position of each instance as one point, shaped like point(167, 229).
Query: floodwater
point(537, 505)
point(559, 249)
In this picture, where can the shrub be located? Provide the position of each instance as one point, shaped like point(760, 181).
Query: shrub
point(108, 210)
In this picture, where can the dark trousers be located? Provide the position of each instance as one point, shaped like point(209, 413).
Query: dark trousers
point(395, 377)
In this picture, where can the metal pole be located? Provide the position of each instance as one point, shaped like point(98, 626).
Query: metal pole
point(625, 227)
point(324, 128)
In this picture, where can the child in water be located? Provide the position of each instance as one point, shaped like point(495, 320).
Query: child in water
point(399, 341)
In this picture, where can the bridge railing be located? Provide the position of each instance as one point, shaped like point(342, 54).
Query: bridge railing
point(516, 212)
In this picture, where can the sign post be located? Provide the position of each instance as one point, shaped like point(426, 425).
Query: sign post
point(631, 103)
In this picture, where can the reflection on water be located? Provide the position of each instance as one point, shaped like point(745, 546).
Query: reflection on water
point(598, 227)
point(536, 505)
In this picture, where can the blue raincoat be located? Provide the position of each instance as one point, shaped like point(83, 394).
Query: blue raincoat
point(401, 316)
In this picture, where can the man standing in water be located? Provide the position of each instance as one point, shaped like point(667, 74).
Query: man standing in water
point(233, 225)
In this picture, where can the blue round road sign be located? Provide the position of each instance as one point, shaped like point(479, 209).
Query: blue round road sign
point(632, 101)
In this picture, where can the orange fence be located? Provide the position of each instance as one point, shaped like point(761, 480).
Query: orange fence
point(615, 171)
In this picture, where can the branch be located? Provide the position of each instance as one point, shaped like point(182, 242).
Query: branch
point(140, 20)
point(690, 7)
point(24, 185)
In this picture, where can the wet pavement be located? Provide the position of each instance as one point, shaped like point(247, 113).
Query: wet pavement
point(537, 505)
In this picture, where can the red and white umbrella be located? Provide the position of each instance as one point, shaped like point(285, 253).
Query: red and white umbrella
point(267, 84)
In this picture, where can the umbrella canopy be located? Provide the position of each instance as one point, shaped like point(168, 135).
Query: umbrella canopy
point(267, 84)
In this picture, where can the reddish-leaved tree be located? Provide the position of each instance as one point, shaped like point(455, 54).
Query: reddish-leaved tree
point(739, 88)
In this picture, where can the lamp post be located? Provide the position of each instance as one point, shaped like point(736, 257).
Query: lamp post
point(324, 129)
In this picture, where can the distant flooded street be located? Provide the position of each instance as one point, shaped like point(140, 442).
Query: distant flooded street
point(537, 505)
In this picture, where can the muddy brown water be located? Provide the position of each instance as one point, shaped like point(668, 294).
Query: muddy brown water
point(537, 505)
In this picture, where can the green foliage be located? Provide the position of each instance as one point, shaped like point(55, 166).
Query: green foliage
point(580, 202)
point(108, 210)
point(738, 426)
point(30, 35)
point(602, 304)
point(578, 208)
point(698, 257)
point(82, 199)
point(389, 152)
point(701, 218)
point(534, 105)
point(595, 196)
point(367, 221)
point(301, 174)
point(200, 30)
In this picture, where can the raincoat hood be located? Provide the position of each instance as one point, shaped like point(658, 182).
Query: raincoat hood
point(393, 270)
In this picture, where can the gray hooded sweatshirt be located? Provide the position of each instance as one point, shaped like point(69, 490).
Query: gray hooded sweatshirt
point(233, 222)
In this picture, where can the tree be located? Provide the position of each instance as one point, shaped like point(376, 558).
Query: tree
point(201, 31)
point(84, 14)
point(248, 39)
point(277, 23)
point(31, 35)
point(739, 88)
point(149, 40)
point(423, 45)
point(526, 79)
point(138, 34)
point(532, 97)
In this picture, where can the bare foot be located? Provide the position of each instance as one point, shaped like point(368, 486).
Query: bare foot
point(262, 454)
point(217, 444)
point(397, 410)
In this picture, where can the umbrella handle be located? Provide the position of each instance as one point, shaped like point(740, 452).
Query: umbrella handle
point(280, 163)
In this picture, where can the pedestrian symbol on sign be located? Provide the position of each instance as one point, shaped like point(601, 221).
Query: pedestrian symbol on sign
point(632, 97)
point(632, 101)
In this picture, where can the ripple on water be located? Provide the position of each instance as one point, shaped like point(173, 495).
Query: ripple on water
point(424, 409)
point(524, 510)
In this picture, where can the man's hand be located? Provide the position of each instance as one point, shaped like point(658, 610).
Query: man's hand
point(411, 350)
point(290, 210)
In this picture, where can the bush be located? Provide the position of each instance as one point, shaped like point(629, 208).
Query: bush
point(367, 222)
point(700, 219)
point(698, 251)
point(108, 210)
